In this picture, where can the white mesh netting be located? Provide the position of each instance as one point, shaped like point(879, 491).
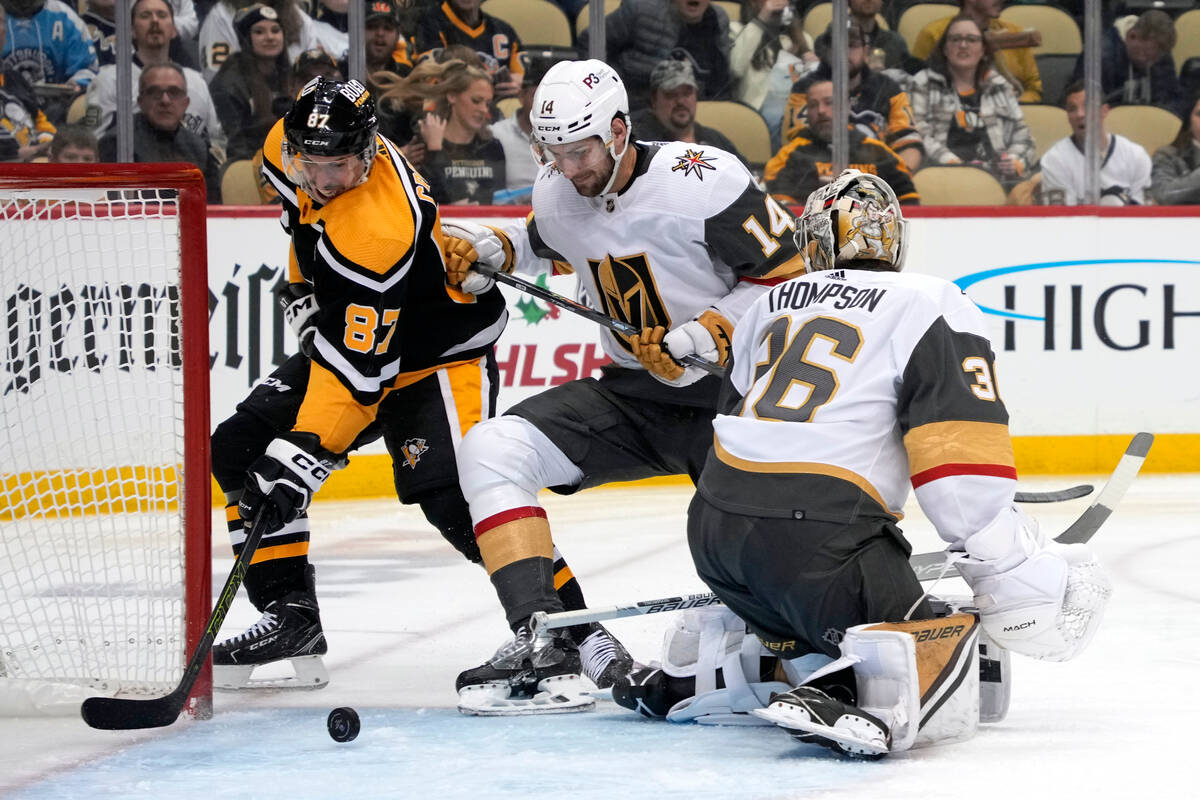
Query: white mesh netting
point(92, 580)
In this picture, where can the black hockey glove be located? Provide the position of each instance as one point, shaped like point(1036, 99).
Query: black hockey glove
point(300, 310)
point(284, 479)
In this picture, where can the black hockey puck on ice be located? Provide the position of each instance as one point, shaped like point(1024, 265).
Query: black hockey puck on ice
point(343, 724)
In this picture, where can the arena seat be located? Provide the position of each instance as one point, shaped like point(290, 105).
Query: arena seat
point(535, 21)
point(1047, 123)
point(744, 126)
point(1060, 32)
point(1149, 126)
point(958, 186)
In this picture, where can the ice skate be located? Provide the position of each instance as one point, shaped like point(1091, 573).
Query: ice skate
point(604, 659)
point(814, 717)
point(289, 630)
point(528, 675)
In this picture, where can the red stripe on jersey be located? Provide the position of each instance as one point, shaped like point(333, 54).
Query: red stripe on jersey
point(767, 281)
point(950, 470)
point(496, 520)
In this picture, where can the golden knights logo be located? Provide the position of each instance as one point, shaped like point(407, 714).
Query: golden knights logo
point(628, 292)
point(694, 162)
point(412, 450)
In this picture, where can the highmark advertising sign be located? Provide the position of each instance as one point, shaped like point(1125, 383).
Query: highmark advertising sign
point(1095, 321)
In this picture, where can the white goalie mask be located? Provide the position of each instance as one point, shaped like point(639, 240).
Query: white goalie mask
point(856, 216)
point(575, 101)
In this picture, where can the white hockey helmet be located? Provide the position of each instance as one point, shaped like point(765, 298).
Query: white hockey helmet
point(854, 217)
point(578, 99)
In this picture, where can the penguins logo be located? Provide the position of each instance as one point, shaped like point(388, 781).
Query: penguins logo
point(412, 450)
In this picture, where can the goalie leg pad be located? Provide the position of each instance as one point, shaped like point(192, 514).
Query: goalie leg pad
point(995, 669)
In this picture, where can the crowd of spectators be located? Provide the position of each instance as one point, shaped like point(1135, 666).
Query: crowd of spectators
point(455, 85)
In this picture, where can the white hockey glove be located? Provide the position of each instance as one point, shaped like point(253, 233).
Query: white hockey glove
point(300, 311)
point(1035, 597)
point(283, 480)
point(467, 243)
point(707, 336)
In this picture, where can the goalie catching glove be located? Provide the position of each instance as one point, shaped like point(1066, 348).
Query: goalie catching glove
point(707, 336)
point(282, 481)
point(466, 244)
point(300, 311)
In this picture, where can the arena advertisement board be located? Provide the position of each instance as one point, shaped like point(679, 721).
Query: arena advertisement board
point(1095, 320)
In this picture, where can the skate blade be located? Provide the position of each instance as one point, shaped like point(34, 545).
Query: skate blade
point(562, 694)
point(309, 674)
point(855, 735)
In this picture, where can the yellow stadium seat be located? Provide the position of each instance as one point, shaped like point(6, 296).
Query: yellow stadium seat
point(1149, 126)
point(819, 16)
point(744, 126)
point(1047, 124)
point(584, 17)
point(734, 10)
point(917, 17)
point(958, 186)
point(239, 184)
point(508, 106)
point(1060, 33)
point(535, 21)
point(1187, 29)
point(77, 110)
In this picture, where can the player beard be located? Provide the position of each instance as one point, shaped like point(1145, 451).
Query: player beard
point(590, 183)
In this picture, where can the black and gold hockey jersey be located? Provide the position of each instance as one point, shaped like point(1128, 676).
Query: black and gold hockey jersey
point(494, 39)
point(879, 107)
point(803, 165)
point(850, 386)
point(373, 257)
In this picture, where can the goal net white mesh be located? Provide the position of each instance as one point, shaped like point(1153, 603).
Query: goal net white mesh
point(92, 541)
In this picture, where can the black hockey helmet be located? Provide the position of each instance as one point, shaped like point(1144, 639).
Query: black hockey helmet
point(329, 118)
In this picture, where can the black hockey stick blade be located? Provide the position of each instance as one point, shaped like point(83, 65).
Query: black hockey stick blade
point(1055, 496)
point(125, 713)
point(616, 325)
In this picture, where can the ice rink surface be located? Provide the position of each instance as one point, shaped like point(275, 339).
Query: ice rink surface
point(404, 614)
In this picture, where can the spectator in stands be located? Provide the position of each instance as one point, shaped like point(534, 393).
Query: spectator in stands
point(158, 130)
point(461, 22)
point(641, 33)
point(966, 111)
point(454, 148)
point(767, 58)
point(103, 29)
point(671, 116)
point(1139, 69)
point(878, 105)
point(386, 48)
point(885, 49)
point(334, 13)
point(1175, 178)
point(74, 144)
point(219, 39)
point(513, 133)
point(250, 81)
point(48, 44)
point(805, 163)
point(1012, 46)
point(1124, 171)
point(25, 132)
point(154, 36)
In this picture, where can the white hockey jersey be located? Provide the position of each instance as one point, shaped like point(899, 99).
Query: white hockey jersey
point(1124, 173)
point(849, 385)
point(691, 230)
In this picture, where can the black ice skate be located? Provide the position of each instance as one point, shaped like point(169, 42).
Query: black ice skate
point(528, 675)
point(651, 692)
point(289, 630)
point(812, 716)
point(605, 660)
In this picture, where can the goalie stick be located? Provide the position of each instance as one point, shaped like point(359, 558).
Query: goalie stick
point(927, 566)
point(122, 713)
point(616, 325)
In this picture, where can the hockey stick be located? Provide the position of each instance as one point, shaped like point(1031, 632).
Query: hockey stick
point(121, 713)
point(1055, 496)
point(927, 566)
point(624, 328)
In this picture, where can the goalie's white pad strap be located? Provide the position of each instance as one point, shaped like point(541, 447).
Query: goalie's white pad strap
point(730, 706)
point(921, 678)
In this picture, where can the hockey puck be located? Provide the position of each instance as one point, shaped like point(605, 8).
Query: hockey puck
point(343, 724)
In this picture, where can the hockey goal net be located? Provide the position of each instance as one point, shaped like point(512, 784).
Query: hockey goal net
point(105, 496)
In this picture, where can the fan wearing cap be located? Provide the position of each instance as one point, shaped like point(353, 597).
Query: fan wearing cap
point(671, 116)
point(672, 238)
point(245, 89)
point(219, 39)
point(386, 47)
point(386, 348)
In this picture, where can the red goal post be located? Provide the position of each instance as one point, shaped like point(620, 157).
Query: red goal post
point(105, 492)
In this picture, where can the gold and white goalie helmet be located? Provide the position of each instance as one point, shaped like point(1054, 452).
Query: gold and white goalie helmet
point(856, 216)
